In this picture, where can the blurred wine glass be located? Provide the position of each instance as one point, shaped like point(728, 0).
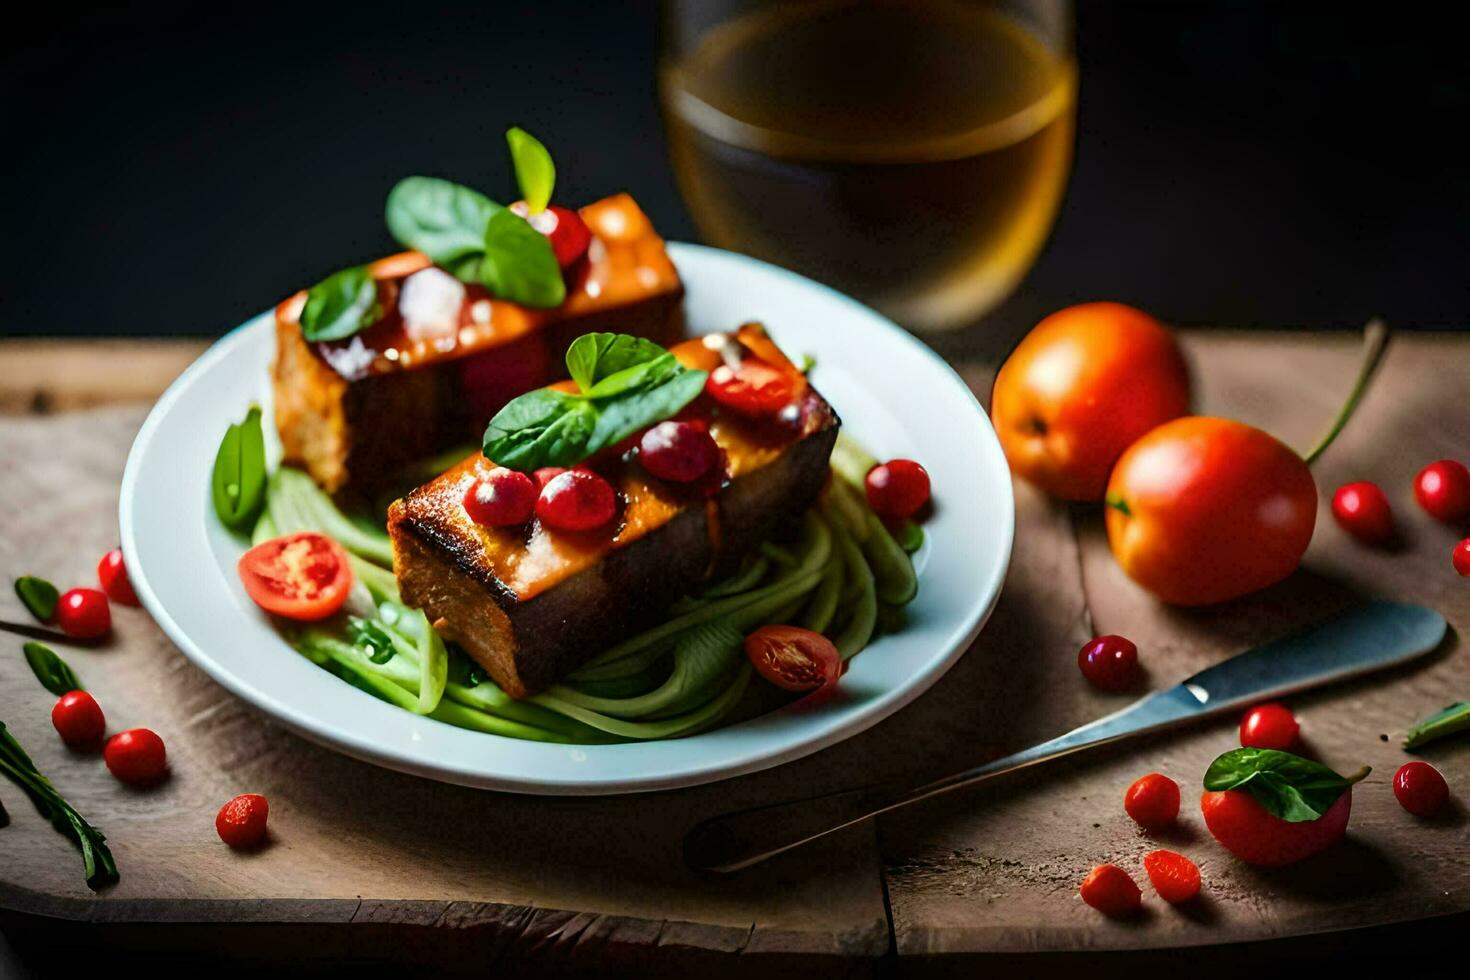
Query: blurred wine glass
point(912, 153)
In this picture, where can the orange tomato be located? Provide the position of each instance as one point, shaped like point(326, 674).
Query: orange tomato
point(1082, 385)
point(1202, 510)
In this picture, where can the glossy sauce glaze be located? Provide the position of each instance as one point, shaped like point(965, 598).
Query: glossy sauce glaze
point(530, 559)
point(625, 263)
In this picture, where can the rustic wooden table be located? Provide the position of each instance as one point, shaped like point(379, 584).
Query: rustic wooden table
point(369, 863)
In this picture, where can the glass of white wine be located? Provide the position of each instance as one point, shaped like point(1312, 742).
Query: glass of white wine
point(912, 153)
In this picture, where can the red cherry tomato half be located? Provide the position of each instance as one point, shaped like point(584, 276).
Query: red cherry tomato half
point(1109, 662)
point(501, 497)
point(1256, 836)
point(1443, 490)
point(1420, 789)
point(1362, 510)
point(1173, 875)
point(577, 500)
point(136, 757)
point(1460, 557)
point(302, 576)
point(84, 614)
point(79, 720)
point(897, 488)
point(754, 388)
point(241, 822)
point(678, 451)
point(1269, 726)
point(1153, 801)
point(1110, 890)
point(113, 575)
point(794, 659)
point(568, 233)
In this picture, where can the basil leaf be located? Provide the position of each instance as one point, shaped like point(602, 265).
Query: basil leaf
point(519, 264)
point(37, 595)
point(596, 356)
point(535, 173)
point(620, 418)
point(53, 672)
point(1455, 718)
point(237, 484)
point(1295, 789)
point(541, 428)
point(341, 305)
point(97, 862)
point(444, 220)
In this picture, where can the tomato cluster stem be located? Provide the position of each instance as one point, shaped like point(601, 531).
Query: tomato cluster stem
point(1375, 342)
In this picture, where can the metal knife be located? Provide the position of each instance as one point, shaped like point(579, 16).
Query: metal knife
point(1372, 637)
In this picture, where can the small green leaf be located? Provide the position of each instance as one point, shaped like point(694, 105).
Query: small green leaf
point(37, 595)
point(1454, 719)
point(535, 173)
point(519, 264)
point(341, 305)
point(237, 484)
point(541, 428)
point(620, 418)
point(444, 220)
point(595, 356)
point(53, 672)
point(15, 764)
point(1295, 789)
point(370, 638)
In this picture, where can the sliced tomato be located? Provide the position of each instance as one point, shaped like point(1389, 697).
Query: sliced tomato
point(299, 576)
point(794, 659)
point(753, 388)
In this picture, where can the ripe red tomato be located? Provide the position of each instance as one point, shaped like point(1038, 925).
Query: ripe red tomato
point(113, 575)
point(1269, 726)
point(1110, 890)
point(678, 451)
point(302, 576)
point(577, 500)
point(794, 659)
point(568, 233)
point(136, 757)
point(1443, 490)
point(754, 388)
point(1362, 510)
point(1109, 662)
point(1174, 876)
point(241, 822)
point(1082, 386)
point(897, 488)
point(1153, 801)
point(1460, 557)
point(1202, 510)
point(84, 614)
point(1420, 788)
point(1256, 836)
point(501, 498)
point(78, 720)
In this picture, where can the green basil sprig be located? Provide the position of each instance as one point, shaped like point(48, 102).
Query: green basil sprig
point(1295, 789)
point(625, 384)
point(238, 482)
point(341, 305)
point(96, 858)
point(39, 596)
point(519, 263)
point(54, 673)
point(444, 220)
point(535, 173)
point(1455, 718)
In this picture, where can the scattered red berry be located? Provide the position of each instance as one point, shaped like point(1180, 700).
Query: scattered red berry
point(136, 757)
point(1269, 726)
point(1109, 662)
point(241, 822)
point(897, 488)
point(1256, 836)
point(576, 500)
point(1362, 510)
point(84, 614)
point(1443, 490)
point(1173, 875)
point(79, 720)
point(678, 451)
point(546, 474)
point(1110, 890)
point(1420, 789)
point(113, 575)
point(501, 498)
point(1153, 801)
point(1460, 557)
point(568, 233)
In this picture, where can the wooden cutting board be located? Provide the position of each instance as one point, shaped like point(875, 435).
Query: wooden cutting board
point(580, 881)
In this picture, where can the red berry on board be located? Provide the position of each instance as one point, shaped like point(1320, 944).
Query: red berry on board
point(79, 720)
point(897, 488)
point(84, 614)
point(1110, 890)
point(1460, 557)
point(136, 757)
point(113, 575)
point(1174, 876)
point(678, 451)
point(1249, 831)
point(1443, 490)
point(241, 822)
point(545, 475)
point(500, 498)
point(1269, 726)
point(1420, 789)
point(1109, 662)
point(1153, 801)
point(568, 233)
point(1362, 510)
point(577, 500)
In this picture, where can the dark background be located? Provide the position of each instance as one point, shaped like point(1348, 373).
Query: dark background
point(174, 169)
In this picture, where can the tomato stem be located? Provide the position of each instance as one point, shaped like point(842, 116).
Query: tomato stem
point(1360, 775)
point(1375, 342)
point(1120, 505)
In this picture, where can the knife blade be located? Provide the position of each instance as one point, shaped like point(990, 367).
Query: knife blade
point(1372, 637)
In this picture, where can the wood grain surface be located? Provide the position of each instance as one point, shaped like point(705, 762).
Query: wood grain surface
point(993, 869)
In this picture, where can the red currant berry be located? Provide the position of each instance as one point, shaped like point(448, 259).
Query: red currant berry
point(897, 488)
point(84, 614)
point(1420, 789)
point(1460, 557)
point(1110, 890)
point(241, 822)
point(1153, 801)
point(136, 757)
point(501, 498)
point(678, 451)
point(545, 475)
point(1362, 510)
point(1443, 490)
point(577, 500)
point(1109, 662)
point(1269, 726)
point(113, 575)
point(78, 720)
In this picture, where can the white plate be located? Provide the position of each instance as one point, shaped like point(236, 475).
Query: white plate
point(895, 395)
